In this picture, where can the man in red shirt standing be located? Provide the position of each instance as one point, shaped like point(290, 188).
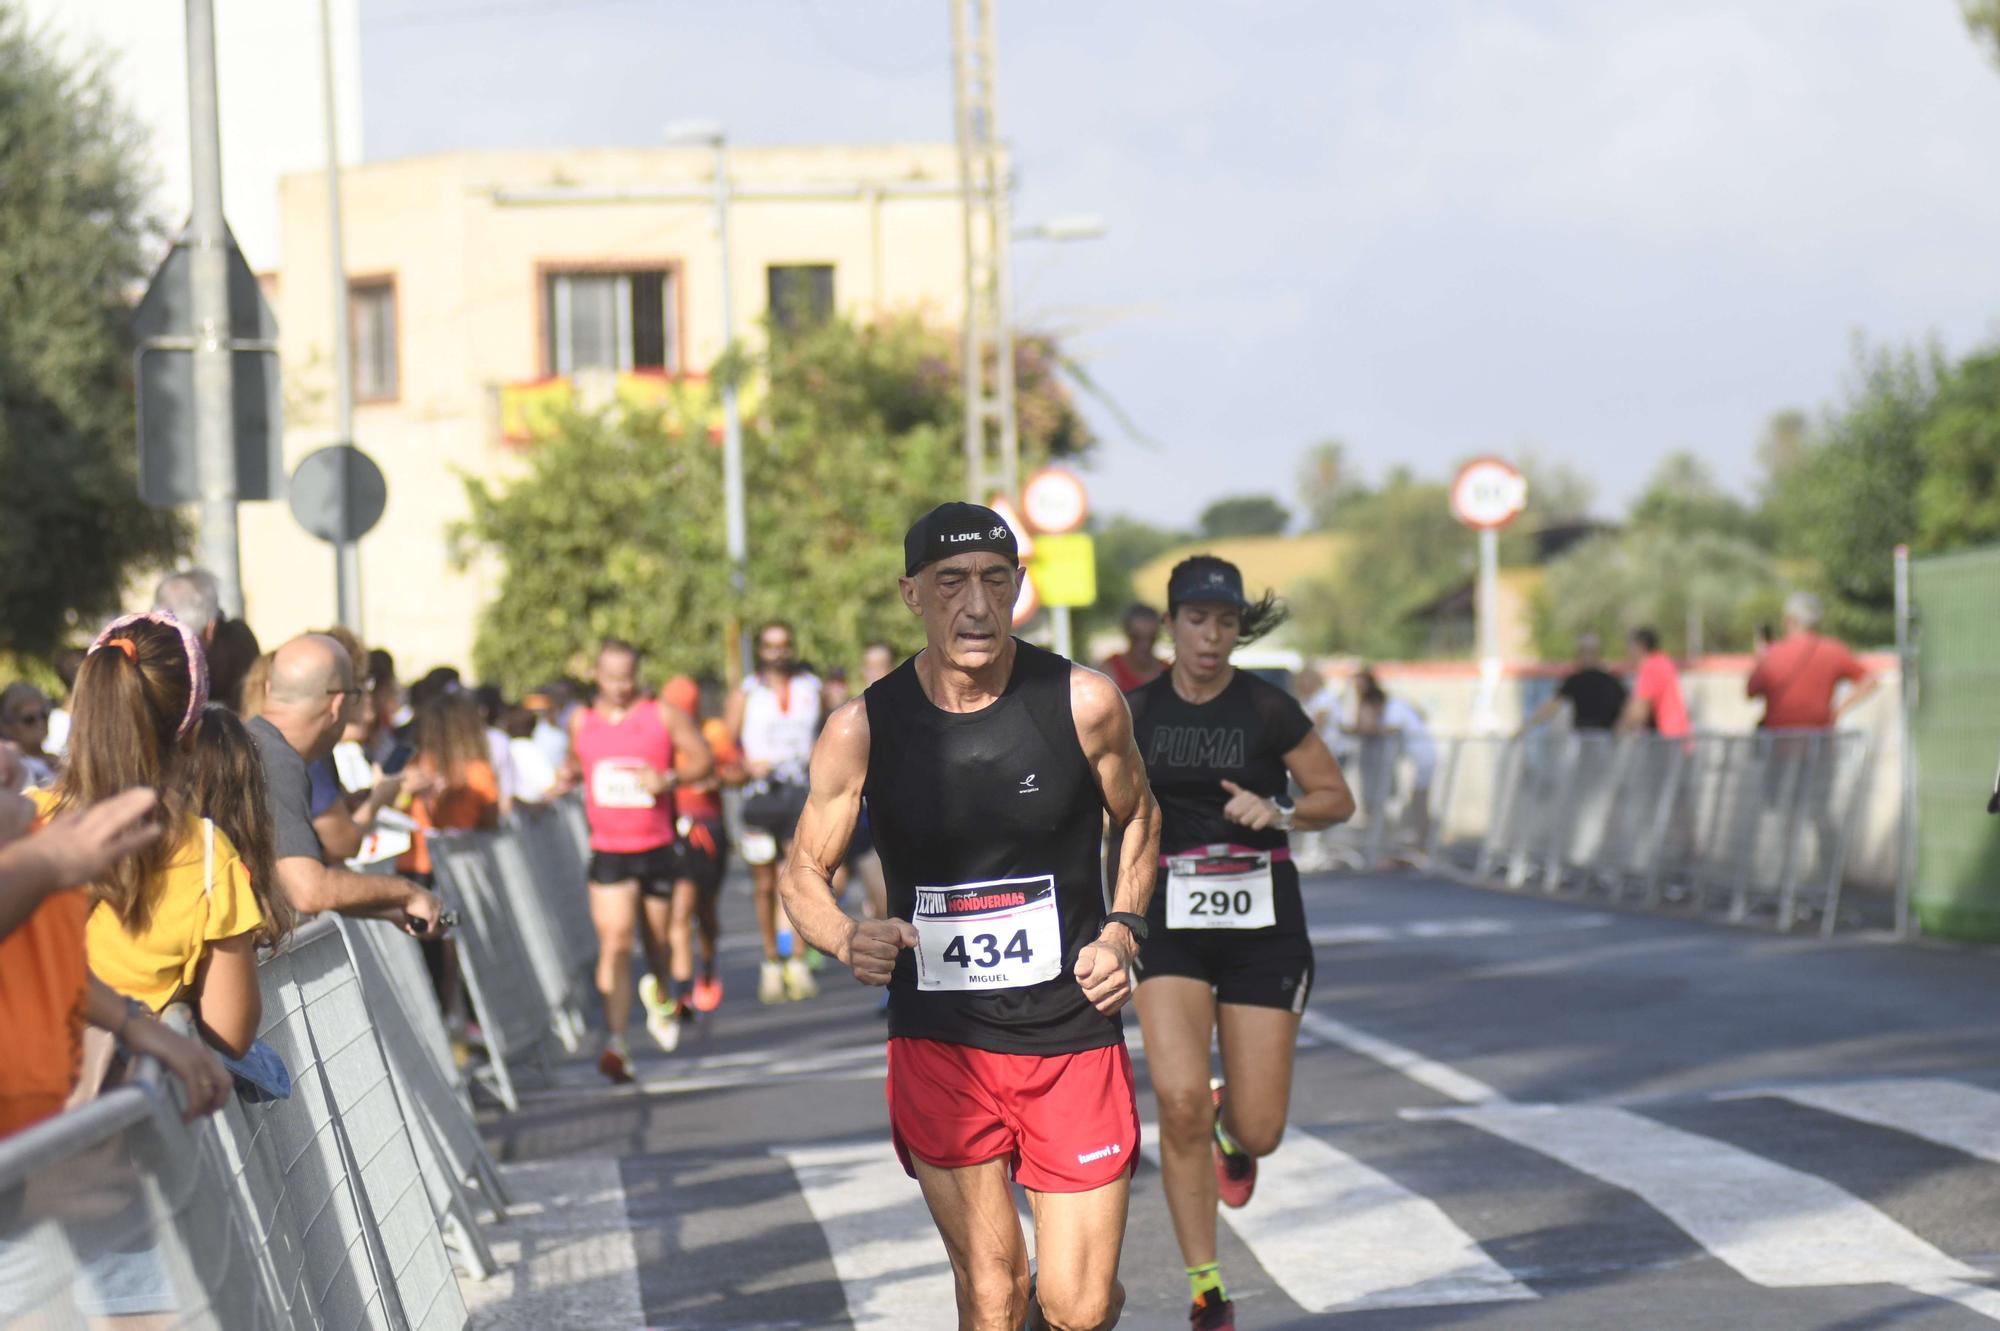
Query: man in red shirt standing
point(1798, 675)
point(1655, 702)
point(1137, 665)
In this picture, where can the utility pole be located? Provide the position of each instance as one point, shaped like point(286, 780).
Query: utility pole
point(736, 527)
point(992, 444)
point(736, 534)
point(208, 268)
point(346, 557)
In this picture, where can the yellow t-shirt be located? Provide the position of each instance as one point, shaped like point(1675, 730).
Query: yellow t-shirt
point(188, 915)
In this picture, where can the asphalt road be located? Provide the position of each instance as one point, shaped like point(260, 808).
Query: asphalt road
point(1510, 1112)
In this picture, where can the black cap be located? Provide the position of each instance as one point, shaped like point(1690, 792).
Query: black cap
point(957, 529)
point(1208, 579)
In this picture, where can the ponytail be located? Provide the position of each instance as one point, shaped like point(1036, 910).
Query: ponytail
point(138, 686)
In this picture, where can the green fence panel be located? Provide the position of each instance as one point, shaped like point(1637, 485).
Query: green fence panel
point(1956, 736)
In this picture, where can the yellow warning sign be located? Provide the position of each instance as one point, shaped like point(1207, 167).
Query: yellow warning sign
point(1065, 569)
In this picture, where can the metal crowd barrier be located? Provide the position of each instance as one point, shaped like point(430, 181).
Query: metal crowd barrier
point(522, 886)
point(1752, 824)
point(340, 1207)
point(331, 1172)
point(114, 1210)
point(514, 1017)
point(561, 866)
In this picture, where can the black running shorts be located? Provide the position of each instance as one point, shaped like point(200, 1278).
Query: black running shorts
point(656, 869)
point(703, 852)
point(1253, 967)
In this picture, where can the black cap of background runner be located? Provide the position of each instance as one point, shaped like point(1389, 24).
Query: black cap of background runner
point(957, 529)
point(1208, 579)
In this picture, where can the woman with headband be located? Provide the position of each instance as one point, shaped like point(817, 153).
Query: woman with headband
point(178, 920)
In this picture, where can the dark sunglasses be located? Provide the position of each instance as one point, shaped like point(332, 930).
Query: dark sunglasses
point(29, 718)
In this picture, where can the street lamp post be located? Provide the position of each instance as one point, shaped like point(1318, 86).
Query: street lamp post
point(1079, 226)
point(735, 525)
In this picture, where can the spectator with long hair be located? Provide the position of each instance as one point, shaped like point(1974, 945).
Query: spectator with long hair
point(47, 993)
point(456, 789)
point(179, 920)
point(225, 777)
point(233, 650)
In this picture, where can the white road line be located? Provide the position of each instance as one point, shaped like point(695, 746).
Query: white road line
point(1950, 1113)
point(1477, 926)
point(1446, 1081)
point(1338, 1236)
point(890, 1260)
point(1774, 1225)
point(565, 1253)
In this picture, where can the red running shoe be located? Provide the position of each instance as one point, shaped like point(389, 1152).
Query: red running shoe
point(1213, 1313)
point(1235, 1171)
point(615, 1063)
point(707, 994)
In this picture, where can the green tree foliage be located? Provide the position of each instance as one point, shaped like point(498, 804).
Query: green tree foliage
point(1558, 494)
point(1702, 590)
point(1403, 549)
point(1124, 545)
point(73, 239)
point(1691, 563)
point(1958, 500)
point(1982, 19)
point(1849, 496)
point(1683, 498)
point(617, 528)
point(1244, 515)
point(1330, 485)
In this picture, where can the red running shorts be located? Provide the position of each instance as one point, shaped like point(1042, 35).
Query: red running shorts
point(1063, 1122)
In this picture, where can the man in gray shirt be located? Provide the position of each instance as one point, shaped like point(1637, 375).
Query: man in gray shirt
point(313, 691)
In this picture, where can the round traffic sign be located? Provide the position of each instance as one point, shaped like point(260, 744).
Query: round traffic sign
point(1029, 603)
point(1054, 501)
point(338, 493)
point(1488, 493)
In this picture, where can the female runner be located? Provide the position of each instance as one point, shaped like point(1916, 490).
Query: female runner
point(1226, 954)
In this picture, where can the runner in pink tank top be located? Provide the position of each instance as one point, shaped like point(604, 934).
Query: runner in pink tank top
point(628, 753)
point(627, 759)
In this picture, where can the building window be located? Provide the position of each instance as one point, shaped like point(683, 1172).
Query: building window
point(371, 312)
point(611, 321)
point(801, 294)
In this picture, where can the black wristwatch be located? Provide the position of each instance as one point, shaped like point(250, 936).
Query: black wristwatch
point(1136, 923)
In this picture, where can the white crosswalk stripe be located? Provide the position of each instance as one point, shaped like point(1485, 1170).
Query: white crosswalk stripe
point(891, 1263)
point(1949, 1113)
point(1337, 1235)
point(1775, 1225)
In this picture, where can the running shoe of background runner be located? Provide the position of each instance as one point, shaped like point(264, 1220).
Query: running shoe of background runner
point(799, 982)
point(1235, 1171)
point(663, 1019)
point(1213, 1313)
point(616, 1061)
point(771, 983)
point(707, 994)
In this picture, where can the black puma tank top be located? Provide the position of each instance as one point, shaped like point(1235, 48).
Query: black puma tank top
point(989, 826)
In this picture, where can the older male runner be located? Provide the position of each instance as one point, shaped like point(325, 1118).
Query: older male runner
point(988, 766)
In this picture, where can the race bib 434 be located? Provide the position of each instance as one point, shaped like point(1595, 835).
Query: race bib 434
point(1003, 934)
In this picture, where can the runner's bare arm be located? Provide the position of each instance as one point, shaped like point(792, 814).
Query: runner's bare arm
point(1324, 798)
point(833, 807)
point(1104, 726)
point(692, 759)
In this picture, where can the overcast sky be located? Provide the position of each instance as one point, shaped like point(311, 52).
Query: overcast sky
point(1607, 229)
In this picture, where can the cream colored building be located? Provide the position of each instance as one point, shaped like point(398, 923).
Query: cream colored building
point(478, 278)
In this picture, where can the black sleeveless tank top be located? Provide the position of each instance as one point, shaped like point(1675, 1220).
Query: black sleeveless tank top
point(986, 797)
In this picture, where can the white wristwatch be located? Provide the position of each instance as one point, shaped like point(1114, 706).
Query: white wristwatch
point(1285, 810)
